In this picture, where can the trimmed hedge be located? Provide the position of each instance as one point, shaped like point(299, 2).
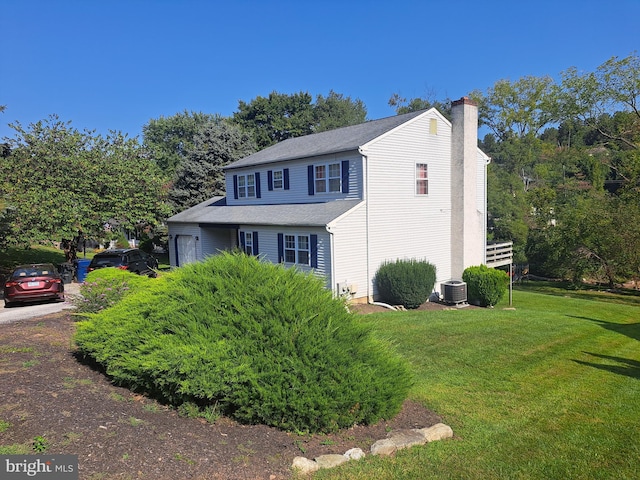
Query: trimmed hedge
point(485, 286)
point(259, 342)
point(406, 282)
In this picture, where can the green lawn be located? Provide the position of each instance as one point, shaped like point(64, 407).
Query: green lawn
point(550, 390)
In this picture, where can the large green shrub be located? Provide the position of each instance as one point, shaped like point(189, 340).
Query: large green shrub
point(485, 286)
point(261, 343)
point(105, 287)
point(406, 282)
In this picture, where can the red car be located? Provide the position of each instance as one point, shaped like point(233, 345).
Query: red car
point(34, 282)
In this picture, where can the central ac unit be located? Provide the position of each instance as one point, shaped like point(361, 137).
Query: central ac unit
point(454, 292)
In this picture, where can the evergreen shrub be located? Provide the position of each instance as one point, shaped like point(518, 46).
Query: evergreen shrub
point(254, 341)
point(485, 286)
point(406, 282)
point(105, 287)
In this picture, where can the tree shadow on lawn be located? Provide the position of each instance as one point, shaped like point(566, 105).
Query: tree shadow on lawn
point(631, 330)
point(627, 367)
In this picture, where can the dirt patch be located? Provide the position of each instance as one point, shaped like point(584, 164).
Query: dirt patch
point(46, 392)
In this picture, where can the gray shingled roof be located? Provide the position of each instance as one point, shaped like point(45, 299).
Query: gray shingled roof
point(216, 212)
point(333, 141)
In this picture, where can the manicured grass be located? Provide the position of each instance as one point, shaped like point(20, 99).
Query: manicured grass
point(549, 390)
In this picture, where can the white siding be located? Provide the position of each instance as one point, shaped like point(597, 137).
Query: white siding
point(403, 225)
point(350, 251)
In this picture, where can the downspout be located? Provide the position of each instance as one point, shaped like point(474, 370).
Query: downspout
point(365, 188)
point(332, 273)
point(486, 206)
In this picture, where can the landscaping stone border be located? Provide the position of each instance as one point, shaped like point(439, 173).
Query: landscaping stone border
point(396, 440)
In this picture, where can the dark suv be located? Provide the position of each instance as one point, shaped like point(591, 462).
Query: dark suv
point(131, 259)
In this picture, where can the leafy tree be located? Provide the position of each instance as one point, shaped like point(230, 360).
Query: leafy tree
point(507, 207)
point(593, 96)
point(277, 117)
point(280, 116)
point(169, 138)
point(608, 101)
point(200, 175)
point(519, 109)
point(335, 111)
point(402, 105)
point(593, 234)
point(57, 181)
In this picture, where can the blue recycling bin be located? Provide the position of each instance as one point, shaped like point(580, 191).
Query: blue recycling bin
point(82, 270)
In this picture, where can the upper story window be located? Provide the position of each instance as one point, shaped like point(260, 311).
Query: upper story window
point(246, 185)
point(278, 180)
point(422, 179)
point(328, 178)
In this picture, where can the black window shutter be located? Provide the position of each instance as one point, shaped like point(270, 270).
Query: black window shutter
point(313, 239)
point(258, 185)
point(281, 248)
point(242, 241)
point(285, 174)
point(345, 176)
point(310, 179)
point(235, 187)
point(270, 179)
point(255, 243)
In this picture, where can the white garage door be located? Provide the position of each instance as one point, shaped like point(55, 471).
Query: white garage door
point(186, 249)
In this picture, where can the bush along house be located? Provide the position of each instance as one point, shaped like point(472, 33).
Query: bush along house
point(344, 201)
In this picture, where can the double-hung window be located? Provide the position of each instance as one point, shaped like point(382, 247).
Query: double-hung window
point(248, 243)
point(328, 178)
point(296, 249)
point(422, 179)
point(278, 180)
point(247, 186)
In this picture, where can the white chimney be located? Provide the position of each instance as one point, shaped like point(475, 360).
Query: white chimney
point(468, 242)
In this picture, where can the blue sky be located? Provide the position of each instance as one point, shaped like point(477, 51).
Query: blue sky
point(114, 65)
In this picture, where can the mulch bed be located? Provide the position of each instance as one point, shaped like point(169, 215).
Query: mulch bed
point(46, 392)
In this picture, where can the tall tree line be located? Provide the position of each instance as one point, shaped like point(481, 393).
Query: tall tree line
point(564, 180)
point(564, 183)
point(56, 181)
